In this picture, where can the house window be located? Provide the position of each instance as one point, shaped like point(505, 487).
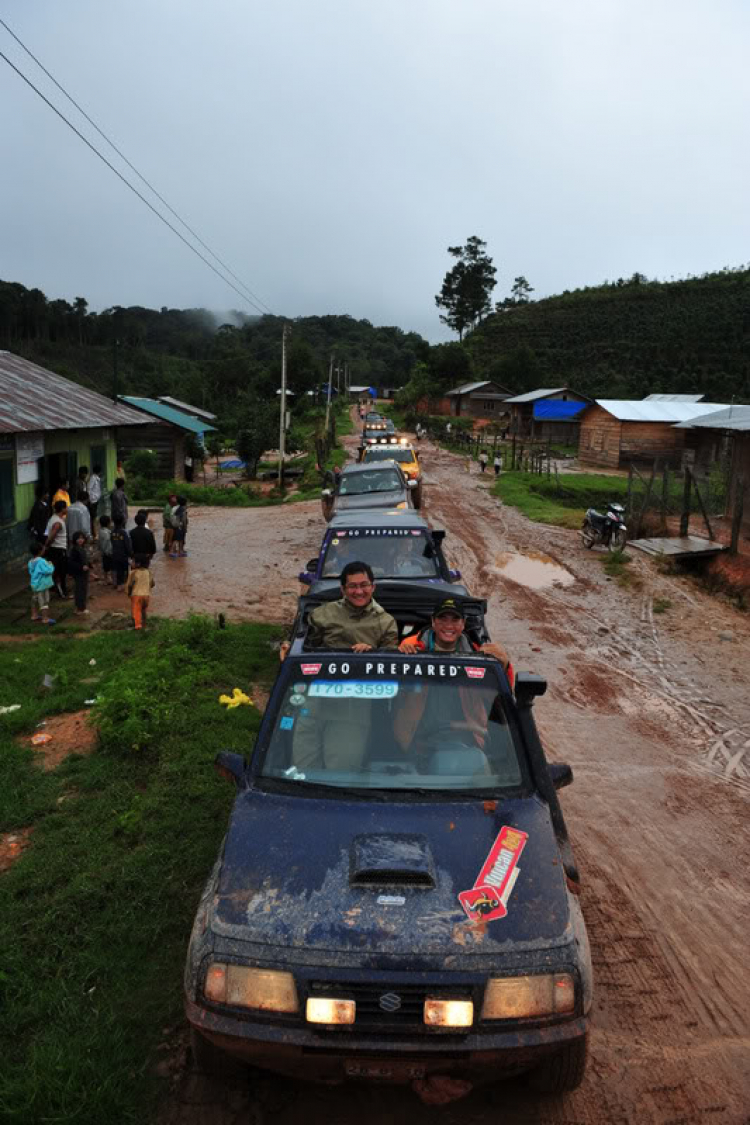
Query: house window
point(7, 493)
point(489, 405)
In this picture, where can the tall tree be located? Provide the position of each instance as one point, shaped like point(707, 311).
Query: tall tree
point(521, 290)
point(466, 290)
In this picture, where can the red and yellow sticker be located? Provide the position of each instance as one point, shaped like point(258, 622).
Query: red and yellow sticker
point(488, 898)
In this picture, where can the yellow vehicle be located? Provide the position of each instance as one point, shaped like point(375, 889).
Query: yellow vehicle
point(405, 456)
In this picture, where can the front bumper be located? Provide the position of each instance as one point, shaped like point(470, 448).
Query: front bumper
point(301, 1052)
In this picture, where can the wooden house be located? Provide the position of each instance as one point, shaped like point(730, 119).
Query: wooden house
point(616, 432)
point(484, 400)
point(165, 431)
point(529, 418)
point(724, 433)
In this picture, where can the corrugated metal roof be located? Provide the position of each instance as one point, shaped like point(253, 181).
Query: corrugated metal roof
point(673, 398)
point(532, 396)
point(467, 388)
point(627, 410)
point(187, 408)
point(168, 414)
point(732, 418)
point(33, 398)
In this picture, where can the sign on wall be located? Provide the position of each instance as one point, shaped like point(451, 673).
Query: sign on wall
point(29, 448)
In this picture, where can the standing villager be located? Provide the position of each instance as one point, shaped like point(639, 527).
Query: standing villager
point(78, 518)
point(56, 546)
point(105, 548)
point(122, 552)
point(63, 493)
point(119, 502)
point(483, 460)
point(180, 525)
point(40, 574)
point(498, 464)
point(142, 537)
point(78, 566)
point(39, 515)
point(95, 495)
point(140, 585)
point(166, 521)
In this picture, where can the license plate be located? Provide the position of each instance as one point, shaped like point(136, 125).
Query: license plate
point(382, 1070)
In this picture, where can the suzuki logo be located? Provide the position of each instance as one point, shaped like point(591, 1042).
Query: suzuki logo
point(390, 1002)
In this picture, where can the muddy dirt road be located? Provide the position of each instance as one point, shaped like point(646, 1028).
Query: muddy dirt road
point(652, 710)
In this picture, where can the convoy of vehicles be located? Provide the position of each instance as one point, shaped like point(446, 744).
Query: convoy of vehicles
point(396, 897)
point(400, 451)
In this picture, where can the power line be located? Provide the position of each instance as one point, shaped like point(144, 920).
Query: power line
point(135, 191)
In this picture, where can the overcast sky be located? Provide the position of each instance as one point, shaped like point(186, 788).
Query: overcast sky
point(331, 150)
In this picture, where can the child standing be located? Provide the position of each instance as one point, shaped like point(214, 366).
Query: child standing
point(78, 566)
point(140, 585)
point(166, 520)
point(105, 546)
point(40, 572)
point(122, 552)
point(180, 525)
point(498, 463)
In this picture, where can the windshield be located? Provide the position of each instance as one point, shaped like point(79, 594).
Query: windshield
point(393, 724)
point(379, 480)
point(390, 453)
point(391, 552)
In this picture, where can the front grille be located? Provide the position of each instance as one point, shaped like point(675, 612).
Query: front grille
point(375, 1003)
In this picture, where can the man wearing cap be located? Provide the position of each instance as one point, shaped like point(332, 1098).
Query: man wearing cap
point(447, 635)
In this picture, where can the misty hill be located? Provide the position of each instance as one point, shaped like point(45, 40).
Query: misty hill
point(192, 355)
point(626, 339)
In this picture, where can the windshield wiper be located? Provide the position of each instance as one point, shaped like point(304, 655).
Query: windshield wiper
point(300, 784)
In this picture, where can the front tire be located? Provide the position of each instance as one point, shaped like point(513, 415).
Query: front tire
point(617, 540)
point(561, 1072)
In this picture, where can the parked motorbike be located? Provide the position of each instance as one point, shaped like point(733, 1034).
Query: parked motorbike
point(609, 529)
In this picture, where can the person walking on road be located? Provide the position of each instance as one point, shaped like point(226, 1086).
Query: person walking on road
point(166, 522)
point(142, 537)
point(498, 464)
point(483, 460)
point(140, 585)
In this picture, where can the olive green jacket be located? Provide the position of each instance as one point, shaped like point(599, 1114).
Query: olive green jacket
point(340, 625)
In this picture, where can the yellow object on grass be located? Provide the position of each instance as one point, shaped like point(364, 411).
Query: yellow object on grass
point(235, 699)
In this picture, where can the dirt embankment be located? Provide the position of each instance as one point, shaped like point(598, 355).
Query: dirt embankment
point(653, 713)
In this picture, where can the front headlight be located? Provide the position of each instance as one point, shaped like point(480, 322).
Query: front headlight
point(402, 505)
point(515, 998)
point(265, 989)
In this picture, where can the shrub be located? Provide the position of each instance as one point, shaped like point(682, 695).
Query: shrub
point(142, 463)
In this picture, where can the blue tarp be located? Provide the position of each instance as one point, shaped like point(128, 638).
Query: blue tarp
point(237, 464)
point(557, 410)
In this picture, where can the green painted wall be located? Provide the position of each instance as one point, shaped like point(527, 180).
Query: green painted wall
point(13, 536)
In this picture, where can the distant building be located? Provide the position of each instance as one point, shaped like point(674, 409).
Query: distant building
point(615, 432)
point(165, 432)
point(483, 400)
point(528, 419)
point(50, 427)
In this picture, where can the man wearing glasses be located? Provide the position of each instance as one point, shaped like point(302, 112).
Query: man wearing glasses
point(355, 621)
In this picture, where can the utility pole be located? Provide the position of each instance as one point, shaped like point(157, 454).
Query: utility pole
point(282, 420)
point(328, 396)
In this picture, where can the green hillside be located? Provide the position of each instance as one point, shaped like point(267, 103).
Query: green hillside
point(626, 339)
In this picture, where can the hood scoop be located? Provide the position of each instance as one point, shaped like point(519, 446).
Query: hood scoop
point(392, 860)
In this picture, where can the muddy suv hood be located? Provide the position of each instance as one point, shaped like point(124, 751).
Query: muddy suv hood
point(370, 500)
point(352, 876)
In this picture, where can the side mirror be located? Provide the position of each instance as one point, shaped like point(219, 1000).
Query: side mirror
point(312, 565)
point(561, 774)
point(528, 687)
point(327, 492)
point(411, 483)
point(454, 575)
point(231, 767)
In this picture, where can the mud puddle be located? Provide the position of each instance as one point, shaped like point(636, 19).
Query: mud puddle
point(535, 570)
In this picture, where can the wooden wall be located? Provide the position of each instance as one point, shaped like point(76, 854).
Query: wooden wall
point(167, 441)
point(741, 468)
point(642, 441)
point(599, 441)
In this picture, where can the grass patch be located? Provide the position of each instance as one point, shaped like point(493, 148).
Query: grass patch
point(616, 564)
point(96, 913)
point(661, 605)
point(560, 502)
